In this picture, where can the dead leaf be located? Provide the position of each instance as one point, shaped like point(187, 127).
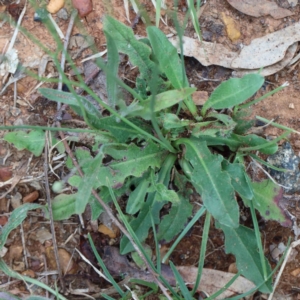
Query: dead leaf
point(214, 280)
point(108, 227)
point(296, 272)
point(200, 97)
point(259, 8)
point(31, 197)
point(232, 31)
point(15, 252)
point(107, 231)
point(292, 3)
point(118, 264)
point(272, 52)
point(42, 235)
point(67, 264)
point(18, 266)
point(267, 50)
point(269, 70)
point(206, 53)
point(5, 174)
point(29, 273)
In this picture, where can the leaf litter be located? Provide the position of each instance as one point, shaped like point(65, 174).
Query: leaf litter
point(272, 52)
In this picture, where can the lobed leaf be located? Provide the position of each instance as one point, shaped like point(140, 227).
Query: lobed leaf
point(34, 141)
point(137, 197)
point(267, 197)
point(86, 185)
point(138, 52)
point(241, 242)
point(142, 223)
point(172, 121)
point(211, 182)
point(121, 131)
point(174, 221)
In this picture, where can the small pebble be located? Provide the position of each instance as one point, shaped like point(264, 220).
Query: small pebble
point(62, 14)
point(31, 197)
point(16, 200)
point(291, 106)
point(15, 111)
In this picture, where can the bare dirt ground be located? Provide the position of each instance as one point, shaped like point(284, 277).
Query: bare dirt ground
point(27, 246)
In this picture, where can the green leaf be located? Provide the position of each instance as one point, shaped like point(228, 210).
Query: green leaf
point(71, 100)
point(129, 161)
point(137, 197)
point(167, 56)
point(171, 121)
point(63, 206)
point(152, 206)
point(233, 92)
point(175, 220)
point(164, 194)
point(252, 140)
point(225, 119)
point(83, 156)
point(241, 242)
point(138, 260)
point(86, 185)
point(183, 289)
point(239, 179)
point(75, 180)
point(267, 197)
point(162, 101)
point(16, 218)
point(112, 66)
point(138, 52)
point(244, 123)
point(119, 129)
point(34, 141)
point(211, 182)
point(169, 62)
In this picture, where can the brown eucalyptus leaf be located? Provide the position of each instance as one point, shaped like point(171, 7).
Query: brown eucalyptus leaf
point(259, 8)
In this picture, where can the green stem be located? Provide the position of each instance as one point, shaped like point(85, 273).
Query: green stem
point(202, 251)
point(248, 104)
point(11, 273)
point(196, 217)
point(258, 241)
point(49, 128)
point(284, 135)
point(277, 125)
point(105, 270)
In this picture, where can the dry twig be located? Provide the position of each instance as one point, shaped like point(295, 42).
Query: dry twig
point(47, 187)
